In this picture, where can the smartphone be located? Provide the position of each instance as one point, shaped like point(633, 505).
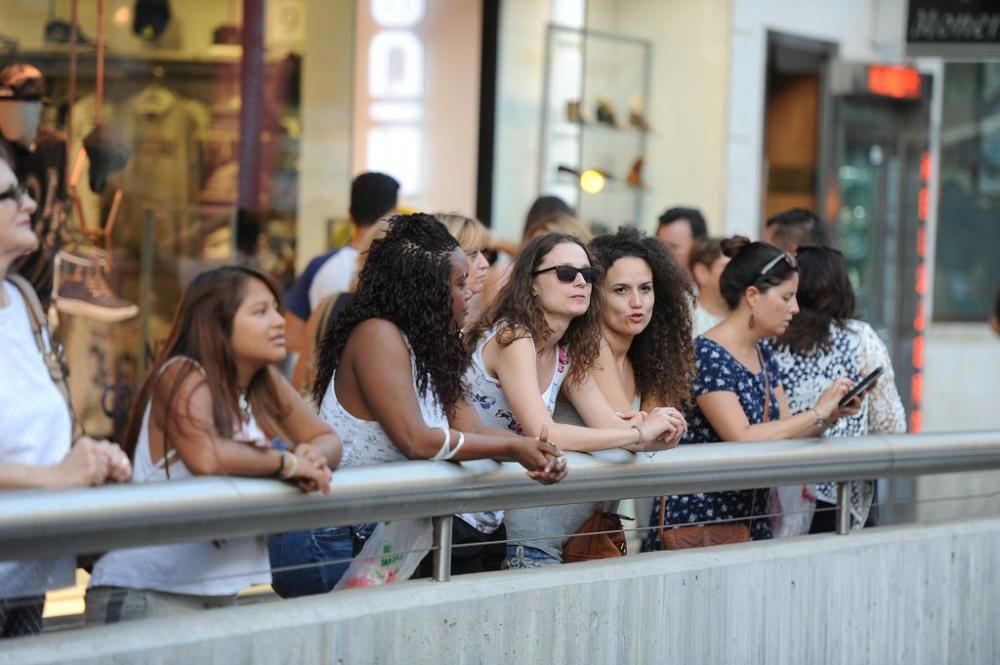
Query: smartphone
point(861, 386)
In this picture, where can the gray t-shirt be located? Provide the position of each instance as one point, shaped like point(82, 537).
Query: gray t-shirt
point(548, 527)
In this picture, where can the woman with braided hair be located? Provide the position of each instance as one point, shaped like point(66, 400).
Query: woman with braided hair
point(390, 382)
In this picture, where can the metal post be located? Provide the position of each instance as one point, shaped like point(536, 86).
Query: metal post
point(843, 508)
point(442, 548)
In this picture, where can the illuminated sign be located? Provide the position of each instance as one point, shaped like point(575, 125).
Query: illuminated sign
point(894, 81)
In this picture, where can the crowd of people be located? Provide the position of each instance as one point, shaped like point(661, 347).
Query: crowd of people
point(412, 344)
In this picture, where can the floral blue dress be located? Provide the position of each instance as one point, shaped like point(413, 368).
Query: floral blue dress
point(719, 371)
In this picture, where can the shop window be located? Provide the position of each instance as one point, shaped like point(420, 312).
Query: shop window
point(968, 238)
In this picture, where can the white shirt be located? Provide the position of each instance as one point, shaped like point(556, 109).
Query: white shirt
point(334, 276)
point(215, 568)
point(365, 441)
point(35, 428)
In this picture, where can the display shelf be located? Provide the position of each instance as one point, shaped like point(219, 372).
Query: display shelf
point(592, 68)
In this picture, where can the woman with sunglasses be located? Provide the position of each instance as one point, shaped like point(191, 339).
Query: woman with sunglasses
point(739, 396)
point(541, 335)
point(37, 450)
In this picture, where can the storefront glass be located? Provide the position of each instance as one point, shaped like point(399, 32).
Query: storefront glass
point(968, 239)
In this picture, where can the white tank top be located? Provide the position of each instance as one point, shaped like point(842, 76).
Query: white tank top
point(364, 441)
point(486, 393)
point(487, 397)
point(215, 568)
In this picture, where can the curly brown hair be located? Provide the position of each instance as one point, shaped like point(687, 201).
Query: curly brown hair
point(662, 355)
point(406, 281)
point(517, 309)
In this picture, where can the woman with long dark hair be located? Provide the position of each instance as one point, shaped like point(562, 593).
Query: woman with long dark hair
point(390, 381)
point(825, 341)
point(542, 335)
point(738, 395)
point(213, 404)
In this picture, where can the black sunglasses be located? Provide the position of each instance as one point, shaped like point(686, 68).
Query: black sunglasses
point(15, 193)
point(568, 274)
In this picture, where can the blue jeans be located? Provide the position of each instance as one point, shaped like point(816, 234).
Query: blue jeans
point(522, 556)
point(323, 554)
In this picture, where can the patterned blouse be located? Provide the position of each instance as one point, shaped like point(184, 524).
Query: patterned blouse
point(854, 352)
point(719, 371)
point(487, 398)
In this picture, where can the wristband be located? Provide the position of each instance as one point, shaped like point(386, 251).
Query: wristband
point(642, 440)
point(281, 464)
point(293, 469)
point(820, 422)
point(443, 452)
point(458, 446)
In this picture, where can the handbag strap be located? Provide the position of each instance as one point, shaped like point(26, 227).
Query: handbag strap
point(767, 385)
point(663, 515)
point(52, 354)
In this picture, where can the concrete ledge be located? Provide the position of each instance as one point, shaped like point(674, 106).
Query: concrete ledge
point(915, 594)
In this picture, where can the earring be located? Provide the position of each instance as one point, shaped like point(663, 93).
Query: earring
point(751, 323)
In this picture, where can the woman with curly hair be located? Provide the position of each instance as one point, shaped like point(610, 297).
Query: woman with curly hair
point(543, 334)
point(390, 382)
point(647, 354)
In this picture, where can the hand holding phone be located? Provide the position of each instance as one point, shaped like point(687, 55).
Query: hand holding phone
point(861, 387)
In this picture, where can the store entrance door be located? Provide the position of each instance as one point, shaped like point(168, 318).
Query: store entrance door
point(875, 147)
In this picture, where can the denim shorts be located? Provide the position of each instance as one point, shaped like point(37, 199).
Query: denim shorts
point(314, 560)
point(522, 556)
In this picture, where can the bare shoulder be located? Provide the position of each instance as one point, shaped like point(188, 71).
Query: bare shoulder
point(377, 338)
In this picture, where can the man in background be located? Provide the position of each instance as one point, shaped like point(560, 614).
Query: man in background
point(373, 195)
point(793, 228)
point(679, 227)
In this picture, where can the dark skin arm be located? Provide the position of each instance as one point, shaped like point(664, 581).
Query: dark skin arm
point(374, 381)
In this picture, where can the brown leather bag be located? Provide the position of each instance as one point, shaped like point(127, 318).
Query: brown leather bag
point(702, 535)
point(707, 535)
point(600, 537)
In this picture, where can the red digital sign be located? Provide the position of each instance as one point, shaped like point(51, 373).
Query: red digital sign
point(894, 81)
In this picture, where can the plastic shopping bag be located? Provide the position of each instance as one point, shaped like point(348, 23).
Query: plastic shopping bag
point(791, 508)
point(391, 553)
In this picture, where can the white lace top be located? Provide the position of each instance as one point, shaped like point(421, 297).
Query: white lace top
point(365, 441)
point(854, 352)
point(214, 568)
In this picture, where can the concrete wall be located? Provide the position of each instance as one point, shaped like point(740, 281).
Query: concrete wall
point(919, 595)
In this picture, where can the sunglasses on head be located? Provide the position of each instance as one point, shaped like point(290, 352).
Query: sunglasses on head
point(15, 193)
point(792, 263)
point(568, 274)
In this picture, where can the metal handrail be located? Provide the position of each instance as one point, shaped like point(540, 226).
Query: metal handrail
point(38, 523)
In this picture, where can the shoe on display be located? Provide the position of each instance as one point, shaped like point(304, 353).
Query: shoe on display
point(634, 178)
point(637, 114)
point(91, 297)
point(84, 291)
point(574, 112)
point(61, 32)
point(606, 112)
